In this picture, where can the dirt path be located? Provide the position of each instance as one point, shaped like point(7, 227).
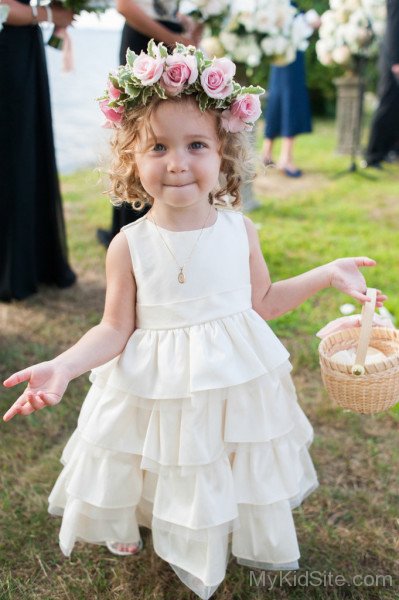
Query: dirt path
point(272, 183)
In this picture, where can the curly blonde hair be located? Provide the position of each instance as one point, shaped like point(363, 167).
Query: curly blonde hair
point(235, 151)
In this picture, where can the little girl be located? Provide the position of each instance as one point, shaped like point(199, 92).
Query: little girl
point(191, 426)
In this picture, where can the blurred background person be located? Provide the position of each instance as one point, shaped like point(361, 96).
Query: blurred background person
point(287, 112)
point(32, 230)
point(384, 132)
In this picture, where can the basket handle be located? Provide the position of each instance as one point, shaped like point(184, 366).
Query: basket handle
point(365, 332)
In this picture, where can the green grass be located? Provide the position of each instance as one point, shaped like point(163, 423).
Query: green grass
point(348, 527)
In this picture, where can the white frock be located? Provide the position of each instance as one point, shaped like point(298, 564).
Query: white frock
point(194, 430)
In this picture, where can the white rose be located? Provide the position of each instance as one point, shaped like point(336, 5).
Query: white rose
point(336, 4)
point(380, 13)
point(341, 55)
point(253, 59)
point(350, 34)
point(247, 20)
point(284, 15)
point(365, 37)
point(379, 28)
point(359, 18)
point(264, 21)
point(342, 15)
point(301, 30)
point(323, 55)
point(281, 45)
point(328, 22)
point(267, 45)
point(215, 7)
point(312, 17)
point(212, 47)
point(229, 40)
point(352, 5)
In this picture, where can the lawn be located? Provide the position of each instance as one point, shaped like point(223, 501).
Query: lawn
point(348, 528)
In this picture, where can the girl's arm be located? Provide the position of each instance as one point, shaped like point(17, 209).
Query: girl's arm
point(141, 22)
point(270, 300)
point(48, 381)
point(21, 14)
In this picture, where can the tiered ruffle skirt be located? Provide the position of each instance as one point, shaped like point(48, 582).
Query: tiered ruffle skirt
point(196, 433)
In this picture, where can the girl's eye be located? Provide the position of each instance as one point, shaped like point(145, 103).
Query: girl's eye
point(159, 148)
point(197, 145)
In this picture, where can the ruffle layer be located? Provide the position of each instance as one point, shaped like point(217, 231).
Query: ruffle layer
point(221, 462)
point(193, 430)
point(136, 467)
point(215, 354)
point(260, 473)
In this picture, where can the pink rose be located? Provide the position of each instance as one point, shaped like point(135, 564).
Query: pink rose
point(247, 108)
point(180, 71)
point(233, 124)
point(243, 112)
point(217, 79)
point(113, 114)
point(147, 69)
point(113, 92)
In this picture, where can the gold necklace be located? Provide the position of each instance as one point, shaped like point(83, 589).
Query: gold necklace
point(181, 278)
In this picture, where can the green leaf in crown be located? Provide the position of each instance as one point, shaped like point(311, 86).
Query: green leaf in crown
point(132, 91)
point(252, 89)
point(163, 50)
point(130, 57)
point(203, 101)
point(147, 93)
point(160, 91)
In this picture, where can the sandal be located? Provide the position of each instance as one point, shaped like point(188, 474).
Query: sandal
point(116, 548)
point(292, 173)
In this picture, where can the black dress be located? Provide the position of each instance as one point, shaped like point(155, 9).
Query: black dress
point(137, 42)
point(32, 231)
point(384, 132)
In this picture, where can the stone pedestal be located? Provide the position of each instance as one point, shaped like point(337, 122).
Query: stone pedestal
point(249, 201)
point(350, 94)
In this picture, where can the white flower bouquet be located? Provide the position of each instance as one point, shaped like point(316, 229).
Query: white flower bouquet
point(59, 35)
point(212, 13)
point(268, 31)
point(4, 10)
point(350, 30)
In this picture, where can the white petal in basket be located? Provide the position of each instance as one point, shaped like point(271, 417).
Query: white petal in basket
point(347, 357)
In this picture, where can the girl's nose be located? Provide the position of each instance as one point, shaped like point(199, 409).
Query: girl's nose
point(177, 162)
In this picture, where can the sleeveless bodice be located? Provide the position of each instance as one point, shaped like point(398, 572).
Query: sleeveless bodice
point(217, 274)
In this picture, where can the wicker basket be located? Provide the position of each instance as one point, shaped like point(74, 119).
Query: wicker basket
point(362, 388)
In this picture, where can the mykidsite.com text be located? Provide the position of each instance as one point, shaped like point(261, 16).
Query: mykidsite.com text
point(272, 580)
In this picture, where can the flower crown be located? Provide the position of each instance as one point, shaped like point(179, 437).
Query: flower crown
point(186, 71)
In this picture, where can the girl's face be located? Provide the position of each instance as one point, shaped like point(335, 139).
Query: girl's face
point(181, 165)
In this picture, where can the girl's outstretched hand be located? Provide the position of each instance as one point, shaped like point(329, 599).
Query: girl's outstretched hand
point(46, 386)
point(346, 277)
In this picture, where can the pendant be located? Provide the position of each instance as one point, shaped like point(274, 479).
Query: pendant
point(181, 278)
